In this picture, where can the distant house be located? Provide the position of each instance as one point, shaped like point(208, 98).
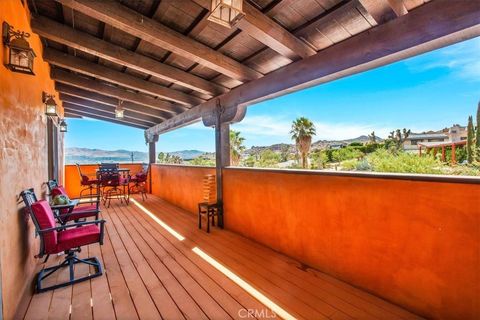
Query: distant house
point(453, 134)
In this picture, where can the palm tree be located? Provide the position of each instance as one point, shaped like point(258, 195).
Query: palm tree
point(236, 147)
point(302, 132)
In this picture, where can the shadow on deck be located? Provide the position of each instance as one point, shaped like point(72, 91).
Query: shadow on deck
point(159, 265)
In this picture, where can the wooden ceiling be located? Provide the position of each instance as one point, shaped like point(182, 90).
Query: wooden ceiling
point(163, 57)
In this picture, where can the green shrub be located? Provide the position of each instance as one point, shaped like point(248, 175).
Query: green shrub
point(349, 165)
point(346, 154)
point(384, 161)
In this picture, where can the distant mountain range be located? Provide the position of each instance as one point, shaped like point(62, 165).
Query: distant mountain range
point(86, 155)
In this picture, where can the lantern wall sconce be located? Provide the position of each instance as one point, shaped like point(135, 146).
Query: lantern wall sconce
point(226, 12)
point(19, 56)
point(50, 104)
point(119, 110)
point(62, 125)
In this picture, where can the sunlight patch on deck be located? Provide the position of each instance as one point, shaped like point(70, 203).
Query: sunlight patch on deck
point(279, 311)
point(159, 221)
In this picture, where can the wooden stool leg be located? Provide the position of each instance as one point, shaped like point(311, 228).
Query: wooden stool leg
point(213, 217)
point(208, 222)
point(199, 217)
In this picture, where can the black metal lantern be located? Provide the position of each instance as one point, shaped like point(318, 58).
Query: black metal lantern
point(226, 12)
point(50, 104)
point(19, 56)
point(62, 125)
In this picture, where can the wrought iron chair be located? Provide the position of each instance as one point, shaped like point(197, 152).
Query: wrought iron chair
point(88, 183)
point(139, 181)
point(85, 208)
point(111, 181)
point(66, 238)
point(209, 205)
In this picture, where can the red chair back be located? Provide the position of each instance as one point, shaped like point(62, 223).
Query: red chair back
point(43, 216)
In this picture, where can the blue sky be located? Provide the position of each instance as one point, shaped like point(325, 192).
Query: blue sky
point(430, 91)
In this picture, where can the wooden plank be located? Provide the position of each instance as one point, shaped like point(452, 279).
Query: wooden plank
point(154, 32)
point(60, 33)
point(63, 60)
point(61, 298)
point(98, 116)
point(112, 91)
point(82, 292)
point(95, 97)
point(429, 27)
point(123, 302)
point(384, 10)
point(128, 113)
point(144, 304)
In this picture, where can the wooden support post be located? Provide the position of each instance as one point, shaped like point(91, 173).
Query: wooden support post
point(420, 151)
point(222, 158)
point(151, 140)
point(151, 153)
point(454, 158)
point(443, 153)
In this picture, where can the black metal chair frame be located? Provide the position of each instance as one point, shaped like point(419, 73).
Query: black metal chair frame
point(111, 191)
point(63, 218)
point(70, 255)
point(90, 188)
point(137, 187)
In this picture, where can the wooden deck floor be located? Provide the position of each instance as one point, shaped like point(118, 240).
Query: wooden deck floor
point(166, 268)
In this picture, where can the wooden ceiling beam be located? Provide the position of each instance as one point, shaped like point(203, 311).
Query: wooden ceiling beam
point(101, 116)
point(123, 18)
point(262, 28)
point(63, 34)
point(113, 91)
point(429, 27)
point(95, 97)
point(384, 10)
point(107, 108)
point(80, 65)
point(67, 114)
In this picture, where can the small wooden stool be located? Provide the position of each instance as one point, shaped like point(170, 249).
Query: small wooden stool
point(208, 206)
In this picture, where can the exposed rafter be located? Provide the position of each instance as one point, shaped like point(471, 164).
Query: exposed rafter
point(86, 67)
point(60, 33)
point(123, 18)
point(102, 115)
point(113, 91)
point(95, 97)
point(262, 28)
point(431, 26)
point(384, 10)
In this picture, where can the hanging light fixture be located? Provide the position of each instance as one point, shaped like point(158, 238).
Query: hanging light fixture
point(19, 56)
point(119, 110)
point(50, 104)
point(63, 125)
point(226, 12)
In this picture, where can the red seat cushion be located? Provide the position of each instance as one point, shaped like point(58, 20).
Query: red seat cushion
point(77, 237)
point(83, 211)
point(44, 216)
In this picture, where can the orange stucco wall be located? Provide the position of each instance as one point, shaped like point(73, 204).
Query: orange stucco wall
point(180, 185)
point(72, 178)
point(23, 160)
point(415, 243)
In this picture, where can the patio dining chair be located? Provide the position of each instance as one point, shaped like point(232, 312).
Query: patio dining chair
point(112, 186)
point(86, 207)
point(67, 238)
point(209, 205)
point(88, 184)
point(139, 181)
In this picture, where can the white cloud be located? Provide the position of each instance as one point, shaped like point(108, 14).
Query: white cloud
point(461, 59)
point(279, 127)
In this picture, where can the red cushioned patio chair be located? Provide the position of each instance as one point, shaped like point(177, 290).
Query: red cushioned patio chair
point(87, 182)
point(139, 181)
point(66, 238)
point(86, 207)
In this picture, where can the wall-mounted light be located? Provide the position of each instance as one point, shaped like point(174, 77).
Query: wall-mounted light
point(119, 110)
point(50, 104)
point(62, 125)
point(19, 56)
point(226, 12)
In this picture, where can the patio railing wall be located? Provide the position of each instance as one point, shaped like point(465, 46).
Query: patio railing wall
point(413, 241)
